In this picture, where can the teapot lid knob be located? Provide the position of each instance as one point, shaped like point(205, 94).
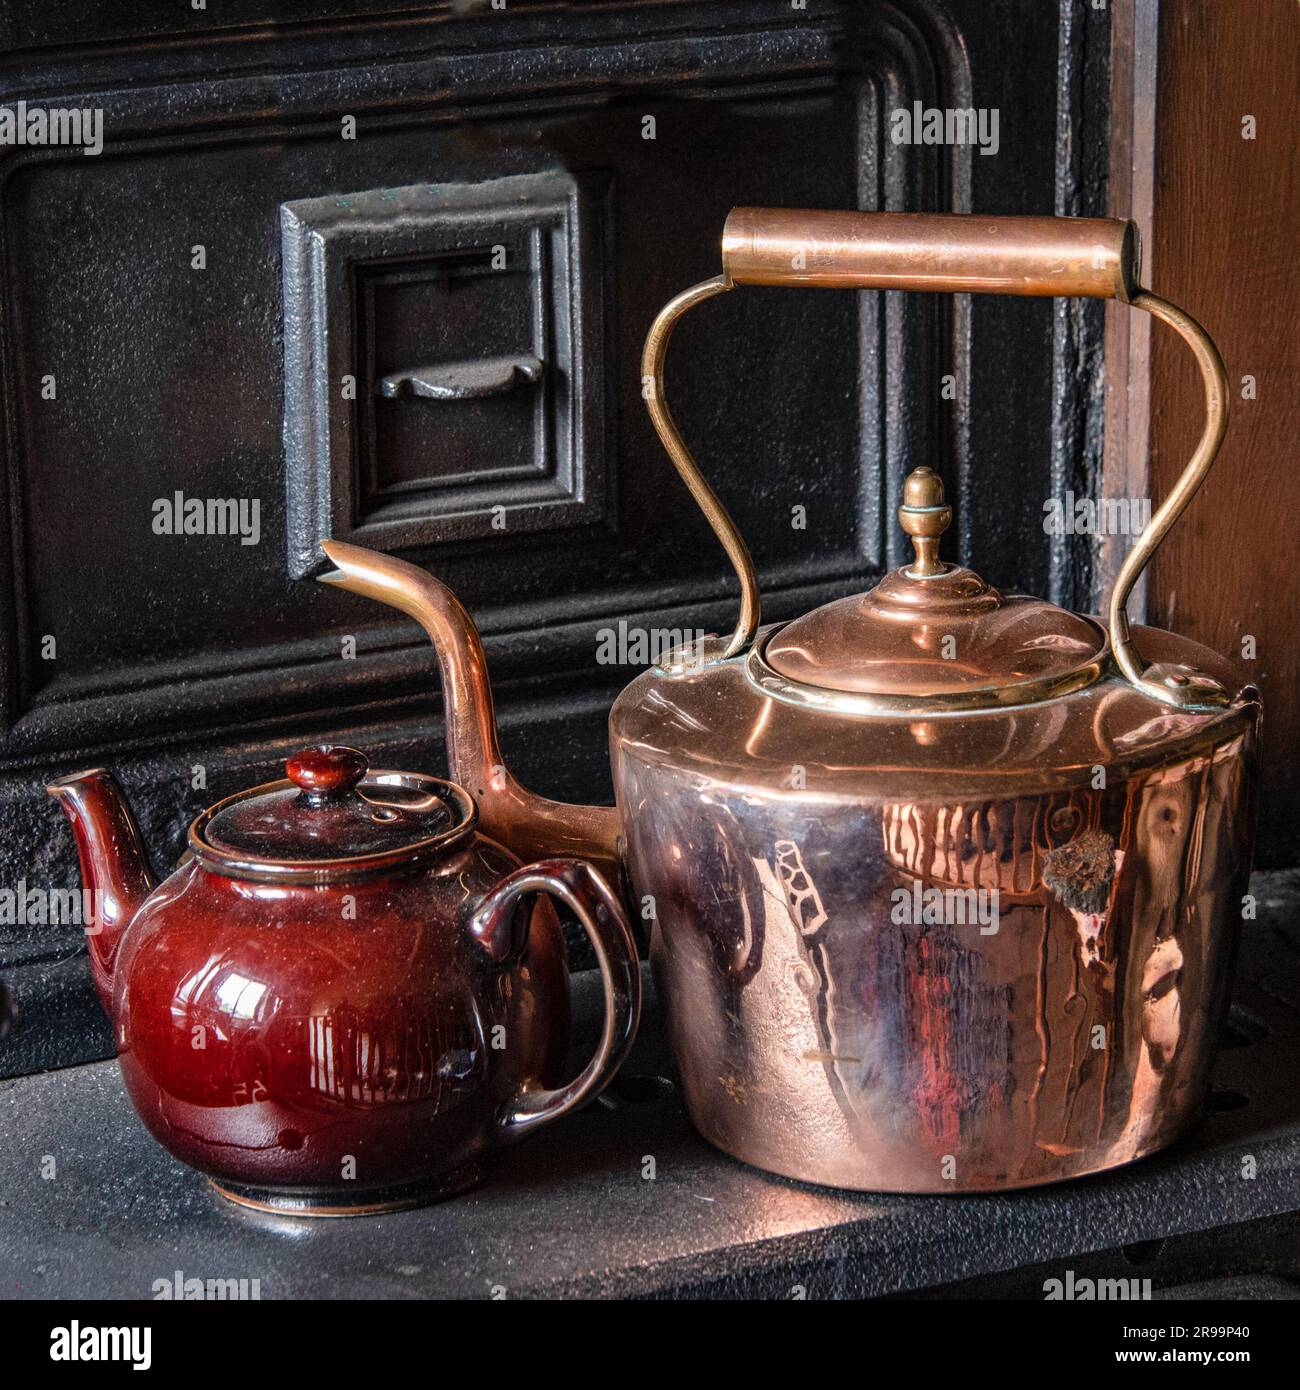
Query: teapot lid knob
point(327, 770)
point(925, 517)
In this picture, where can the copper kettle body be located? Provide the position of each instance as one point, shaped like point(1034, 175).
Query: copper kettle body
point(945, 882)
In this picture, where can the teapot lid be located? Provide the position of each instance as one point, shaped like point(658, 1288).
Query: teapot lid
point(331, 818)
point(930, 637)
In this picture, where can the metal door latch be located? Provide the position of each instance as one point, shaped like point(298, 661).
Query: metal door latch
point(463, 381)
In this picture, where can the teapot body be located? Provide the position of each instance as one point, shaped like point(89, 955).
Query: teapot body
point(951, 954)
point(347, 997)
point(336, 1046)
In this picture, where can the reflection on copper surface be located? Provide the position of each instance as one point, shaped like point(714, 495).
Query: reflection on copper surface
point(800, 891)
point(860, 1052)
point(1001, 845)
point(944, 732)
point(836, 248)
point(761, 718)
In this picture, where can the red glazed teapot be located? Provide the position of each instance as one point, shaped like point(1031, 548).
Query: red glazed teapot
point(341, 1001)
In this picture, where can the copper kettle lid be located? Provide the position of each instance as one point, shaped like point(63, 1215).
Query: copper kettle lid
point(332, 817)
point(931, 635)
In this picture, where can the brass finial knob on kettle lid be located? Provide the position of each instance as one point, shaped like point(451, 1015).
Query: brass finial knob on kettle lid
point(925, 517)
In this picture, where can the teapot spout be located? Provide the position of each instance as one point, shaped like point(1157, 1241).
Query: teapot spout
point(115, 872)
point(531, 826)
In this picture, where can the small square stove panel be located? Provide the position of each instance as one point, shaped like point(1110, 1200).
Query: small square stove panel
point(443, 363)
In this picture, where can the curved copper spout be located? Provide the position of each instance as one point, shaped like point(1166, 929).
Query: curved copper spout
point(115, 869)
point(531, 826)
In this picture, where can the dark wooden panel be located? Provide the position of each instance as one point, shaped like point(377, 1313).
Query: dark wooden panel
point(1226, 214)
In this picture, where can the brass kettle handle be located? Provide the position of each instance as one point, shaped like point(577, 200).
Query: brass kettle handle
point(958, 253)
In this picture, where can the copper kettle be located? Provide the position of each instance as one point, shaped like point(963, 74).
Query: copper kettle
point(945, 881)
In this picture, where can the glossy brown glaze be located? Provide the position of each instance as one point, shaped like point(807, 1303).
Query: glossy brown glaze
point(269, 1040)
point(113, 864)
point(327, 770)
point(351, 1044)
point(316, 826)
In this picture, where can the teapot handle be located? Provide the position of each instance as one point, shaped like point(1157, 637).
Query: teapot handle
point(575, 883)
point(958, 253)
